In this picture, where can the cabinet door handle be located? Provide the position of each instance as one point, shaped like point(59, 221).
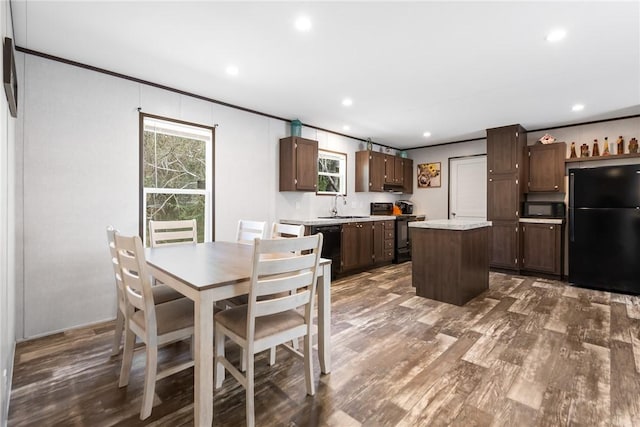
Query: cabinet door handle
point(555, 186)
point(551, 228)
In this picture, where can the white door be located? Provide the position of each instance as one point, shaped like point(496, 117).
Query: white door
point(468, 188)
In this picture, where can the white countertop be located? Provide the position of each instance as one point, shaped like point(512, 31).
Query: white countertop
point(332, 221)
point(543, 220)
point(450, 224)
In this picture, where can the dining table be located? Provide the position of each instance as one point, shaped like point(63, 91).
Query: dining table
point(215, 271)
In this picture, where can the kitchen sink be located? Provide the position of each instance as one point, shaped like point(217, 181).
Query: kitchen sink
point(343, 217)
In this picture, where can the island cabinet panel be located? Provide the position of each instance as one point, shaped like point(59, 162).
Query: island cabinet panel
point(504, 244)
point(298, 164)
point(451, 266)
point(378, 241)
point(542, 248)
point(546, 167)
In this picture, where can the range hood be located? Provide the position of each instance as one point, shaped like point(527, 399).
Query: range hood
point(393, 188)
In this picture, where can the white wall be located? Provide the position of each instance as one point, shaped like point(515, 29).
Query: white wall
point(434, 202)
point(7, 236)
point(80, 146)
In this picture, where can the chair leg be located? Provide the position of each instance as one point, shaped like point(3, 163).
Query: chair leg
point(127, 356)
point(272, 356)
point(251, 421)
point(308, 366)
point(294, 343)
point(117, 339)
point(243, 361)
point(218, 371)
point(150, 371)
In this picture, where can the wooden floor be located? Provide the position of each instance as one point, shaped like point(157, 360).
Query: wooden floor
point(528, 352)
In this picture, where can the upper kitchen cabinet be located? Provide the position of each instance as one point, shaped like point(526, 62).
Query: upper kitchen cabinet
point(546, 167)
point(409, 176)
point(376, 170)
point(504, 149)
point(370, 171)
point(393, 170)
point(298, 164)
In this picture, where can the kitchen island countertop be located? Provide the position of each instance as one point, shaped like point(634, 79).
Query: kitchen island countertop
point(450, 224)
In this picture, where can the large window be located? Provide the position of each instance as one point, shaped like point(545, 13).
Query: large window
point(332, 172)
point(176, 173)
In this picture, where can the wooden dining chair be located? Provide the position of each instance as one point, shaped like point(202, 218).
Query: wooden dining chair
point(279, 266)
point(286, 230)
point(161, 293)
point(249, 230)
point(163, 233)
point(155, 325)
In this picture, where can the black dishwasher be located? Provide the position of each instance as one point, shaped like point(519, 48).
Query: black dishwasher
point(332, 239)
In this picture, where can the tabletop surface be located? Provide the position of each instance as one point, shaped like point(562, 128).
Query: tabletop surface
point(205, 265)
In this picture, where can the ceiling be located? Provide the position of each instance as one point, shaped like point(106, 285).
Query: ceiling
point(450, 68)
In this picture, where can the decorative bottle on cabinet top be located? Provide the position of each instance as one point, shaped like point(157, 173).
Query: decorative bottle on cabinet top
point(596, 151)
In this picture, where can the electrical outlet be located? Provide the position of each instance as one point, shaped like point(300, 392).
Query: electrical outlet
point(297, 205)
point(4, 373)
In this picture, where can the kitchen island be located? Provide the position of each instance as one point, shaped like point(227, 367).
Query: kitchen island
point(450, 259)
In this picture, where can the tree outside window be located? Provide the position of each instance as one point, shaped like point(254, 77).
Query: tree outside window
point(177, 173)
point(332, 172)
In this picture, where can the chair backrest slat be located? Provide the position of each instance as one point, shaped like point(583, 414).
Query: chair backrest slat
point(277, 284)
point(164, 233)
point(286, 263)
point(278, 305)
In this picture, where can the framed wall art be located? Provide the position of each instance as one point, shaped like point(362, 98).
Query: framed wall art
point(429, 175)
point(9, 76)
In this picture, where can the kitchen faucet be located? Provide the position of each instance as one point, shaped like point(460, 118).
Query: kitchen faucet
point(334, 209)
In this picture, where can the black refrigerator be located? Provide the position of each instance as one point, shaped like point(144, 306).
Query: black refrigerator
point(604, 228)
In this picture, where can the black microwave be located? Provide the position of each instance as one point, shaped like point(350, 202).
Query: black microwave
point(544, 210)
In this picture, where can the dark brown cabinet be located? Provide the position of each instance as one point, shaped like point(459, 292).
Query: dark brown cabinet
point(356, 250)
point(366, 243)
point(298, 164)
point(383, 241)
point(374, 170)
point(370, 171)
point(542, 248)
point(393, 170)
point(505, 172)
point(504, 195)
point(546, 167)
point(504, 245)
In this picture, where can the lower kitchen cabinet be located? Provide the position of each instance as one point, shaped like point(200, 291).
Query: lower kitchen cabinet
point(542, 248)
point(356, 245)
point(503, 245)
point(383, 241)
point(366, 243)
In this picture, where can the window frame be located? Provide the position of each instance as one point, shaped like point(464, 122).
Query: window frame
point(342, 157)
point(141, 189)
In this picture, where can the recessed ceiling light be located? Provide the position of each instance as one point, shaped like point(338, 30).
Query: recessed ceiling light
point(556, 35)
point(232, 70)
point(577, 107)
point(346, 127)
point(347, 102)
point(303, 23)
point(426, 134)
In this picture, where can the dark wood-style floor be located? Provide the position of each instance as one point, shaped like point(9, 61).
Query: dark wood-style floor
point(529, 352)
